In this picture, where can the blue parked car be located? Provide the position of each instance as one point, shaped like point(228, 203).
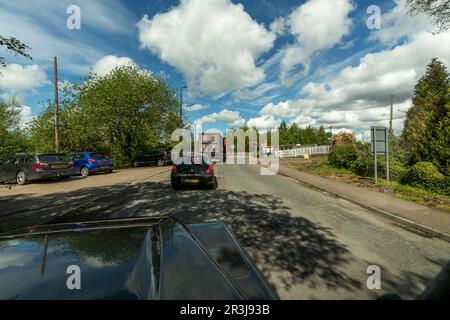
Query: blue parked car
point(86, 163)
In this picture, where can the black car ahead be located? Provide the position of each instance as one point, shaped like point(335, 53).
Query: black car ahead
point(158, 157)
point(193, 170)
point(152, 258)
point(26, 167)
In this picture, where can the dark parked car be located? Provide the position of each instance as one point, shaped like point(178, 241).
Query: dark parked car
point(159, 157)
point(26, 167)
point(154, 258)
point(86, 163)
point(193, 170)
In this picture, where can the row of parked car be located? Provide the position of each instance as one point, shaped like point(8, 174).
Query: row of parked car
point(26, 167)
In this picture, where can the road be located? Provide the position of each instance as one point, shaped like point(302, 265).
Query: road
point(308, 244)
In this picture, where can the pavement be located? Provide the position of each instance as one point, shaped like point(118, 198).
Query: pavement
point(432, 222)
point(308, 244)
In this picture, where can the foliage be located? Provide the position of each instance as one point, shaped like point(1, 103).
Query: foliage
point(342, 155)
point(363, 164)
point(426, 125)
point(424, 175)
point(42, 130)
point(396, 168)
point(121, 113)
point(12, 137)
point(14, 45)
point(439, 10)
point(293, 135)
point(343, 138)
point(435, 146)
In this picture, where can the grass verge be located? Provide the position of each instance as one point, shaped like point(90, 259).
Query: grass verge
point(319, 166)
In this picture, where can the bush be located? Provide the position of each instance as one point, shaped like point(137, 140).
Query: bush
point(364, 166)
point(396, 168)
point(427, 176)
point(342, 155)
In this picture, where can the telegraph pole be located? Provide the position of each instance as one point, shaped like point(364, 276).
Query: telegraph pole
point(55, 78)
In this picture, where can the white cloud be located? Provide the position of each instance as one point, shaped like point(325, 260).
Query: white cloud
point(316, 25)
point(16, 77)
point(358, 96)
point(42, 26)
point(196, 107)
point(232, 117)
point(398, 23)
point(214, 43)
point(264, 122)
point(252, 94)
point(26, 116)
point(108, 63)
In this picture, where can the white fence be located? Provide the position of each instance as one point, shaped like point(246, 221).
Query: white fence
point(300, 152)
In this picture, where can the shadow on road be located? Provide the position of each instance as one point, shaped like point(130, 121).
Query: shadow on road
point(297, 250)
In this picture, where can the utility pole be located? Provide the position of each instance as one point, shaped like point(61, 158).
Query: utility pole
point(55, 78)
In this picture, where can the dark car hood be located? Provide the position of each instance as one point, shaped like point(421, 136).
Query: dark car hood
point(129, 259)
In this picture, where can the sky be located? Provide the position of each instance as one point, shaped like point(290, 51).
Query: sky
point(253, 62)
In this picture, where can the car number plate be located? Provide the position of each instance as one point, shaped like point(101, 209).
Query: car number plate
point(58, 166)
point(192, 180)
point(105, 168)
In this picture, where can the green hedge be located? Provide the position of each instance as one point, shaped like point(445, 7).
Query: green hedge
point(342, 155)
point(427, 176)
point(364, 166)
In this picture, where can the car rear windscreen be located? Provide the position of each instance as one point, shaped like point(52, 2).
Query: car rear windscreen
point(49, 158)
point(99, 156)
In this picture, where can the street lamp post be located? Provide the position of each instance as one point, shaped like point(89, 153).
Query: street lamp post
point(181, 105)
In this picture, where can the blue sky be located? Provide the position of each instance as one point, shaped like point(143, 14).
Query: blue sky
point(254, 62)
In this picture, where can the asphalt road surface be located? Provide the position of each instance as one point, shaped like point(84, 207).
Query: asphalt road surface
point(308, 244)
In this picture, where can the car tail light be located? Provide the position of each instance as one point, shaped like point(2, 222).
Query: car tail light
point(92, 161)
point(174, 168)
point(210, 170)
point(39, 166)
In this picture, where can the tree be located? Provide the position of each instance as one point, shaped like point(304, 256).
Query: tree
point(284, 134)
point(435, 146)
point(14, 45)
point(439, 10)
point(343, 137)
point(293, 134)
point(323, 137)
point(12, 137)
point(121, 113)
point(428, 104)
